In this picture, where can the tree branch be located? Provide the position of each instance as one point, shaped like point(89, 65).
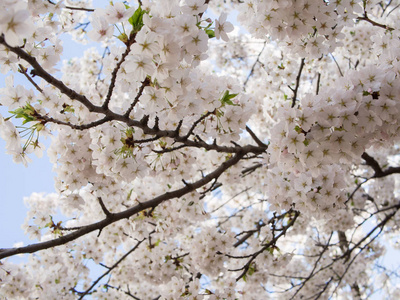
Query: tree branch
point(116, 69)
point(254, 65)
point(255, 138)
point(39, 71)
point(379, 173)
point(110, 269)
point(295, 90)
point(112, 218)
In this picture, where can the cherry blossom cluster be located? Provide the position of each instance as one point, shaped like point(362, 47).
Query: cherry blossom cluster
point(335, 126)
point(195, 161)
point(311, 28)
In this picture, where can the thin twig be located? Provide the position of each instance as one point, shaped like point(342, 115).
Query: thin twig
point(145, 83)
point(74, 8)
point(334, 59)
point(295, 90)
point(23, 71)
point(110, 269)
point(318, 83)
point(367, 19)
point(116, 69)
point(253, 67)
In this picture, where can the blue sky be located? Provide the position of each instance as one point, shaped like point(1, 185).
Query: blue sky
point(17, 182)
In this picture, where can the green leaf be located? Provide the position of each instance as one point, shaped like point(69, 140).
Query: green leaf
point(210, 33)
point(129, 194)
point(137, 19)
point(226, 98)
point(366, 93)
point(252, 269)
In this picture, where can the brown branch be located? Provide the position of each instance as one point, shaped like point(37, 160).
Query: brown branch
point(110, 115)
point(337, 65)
point(39, 71)
point(145, 83)
point(116, 69)
point(251, 169)
point(80, 8)
point(253, 256)
point(367, 19)
point(295, 90)
point(23, 71)
point(74, 126)
point(318, 83)
point(380, 226)
point(379, 173)
point(255, 138)
point(104, 208)
point(198, 143)
point(74, 8)
point(249, 233)
point(197, 122)
point(112, 218)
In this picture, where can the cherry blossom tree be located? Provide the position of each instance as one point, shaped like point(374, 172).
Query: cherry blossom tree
point(198, 160)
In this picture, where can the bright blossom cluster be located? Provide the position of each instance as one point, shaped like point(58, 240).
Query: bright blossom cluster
point(195, 161)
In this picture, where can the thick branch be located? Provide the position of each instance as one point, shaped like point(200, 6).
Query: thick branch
point(112, 218)
point(110, 115)
point(379, 173)
point(39, 71)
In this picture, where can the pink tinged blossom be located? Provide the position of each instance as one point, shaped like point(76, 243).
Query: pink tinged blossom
point(222, 27)
point(101, 29)
point(185, 25)
point(197, 42)
point(146, 43)
point(139, 66)
point(194, 7)
point(118, 13)
point(9, 133)
point(15, 25)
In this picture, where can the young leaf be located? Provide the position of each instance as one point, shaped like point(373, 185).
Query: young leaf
point(227, 98)
point(137, 19)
